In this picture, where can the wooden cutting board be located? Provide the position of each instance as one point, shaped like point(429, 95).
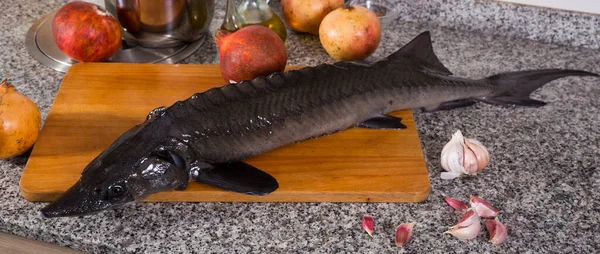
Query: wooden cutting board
point(99, 101)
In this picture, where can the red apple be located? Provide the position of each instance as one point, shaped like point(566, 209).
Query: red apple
point(350, 33)
point(86, 32)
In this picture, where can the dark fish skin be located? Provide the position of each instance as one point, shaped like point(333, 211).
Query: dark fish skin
point(206, 137)
point(250, 118)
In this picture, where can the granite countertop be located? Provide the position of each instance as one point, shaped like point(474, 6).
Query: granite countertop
point(543, 176)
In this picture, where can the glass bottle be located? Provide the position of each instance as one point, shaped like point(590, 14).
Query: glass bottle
point(258, 12)
point(253, 12)
point(233, 20)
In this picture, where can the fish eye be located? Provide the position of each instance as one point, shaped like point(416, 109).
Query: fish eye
point(116, 190)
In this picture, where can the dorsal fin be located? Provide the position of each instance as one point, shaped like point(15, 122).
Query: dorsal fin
point(420, 48)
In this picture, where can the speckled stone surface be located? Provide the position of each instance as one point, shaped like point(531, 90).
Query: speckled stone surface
point(514, 20)
point(544, 173)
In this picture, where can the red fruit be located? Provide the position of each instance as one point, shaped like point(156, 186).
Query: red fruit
point(250, 52)
point(86, 32)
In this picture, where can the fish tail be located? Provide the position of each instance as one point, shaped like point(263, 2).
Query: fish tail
point(514, 88)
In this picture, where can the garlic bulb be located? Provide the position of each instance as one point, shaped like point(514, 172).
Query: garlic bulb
point(463, 156)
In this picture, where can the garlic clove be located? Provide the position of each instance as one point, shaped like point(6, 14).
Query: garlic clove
point(456, 204)
point(368, 224)
point(481, 156)
point(452, 157)
point(450, 175)
point(470, 217)
point(466, 232)
point(403, 233)
point(470, 162)
point(497, 231)
point(483, 208)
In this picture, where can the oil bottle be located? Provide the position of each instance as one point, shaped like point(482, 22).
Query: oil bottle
point(253, 12)
point(233, 21)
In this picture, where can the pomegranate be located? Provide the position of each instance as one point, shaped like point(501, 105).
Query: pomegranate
point(85, 32)
point(350, 33)
point(19, 121)
point(306, 15)
point(250, 52)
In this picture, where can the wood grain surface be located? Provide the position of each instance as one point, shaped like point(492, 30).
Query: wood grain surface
point(12, 244)
point(99, 101)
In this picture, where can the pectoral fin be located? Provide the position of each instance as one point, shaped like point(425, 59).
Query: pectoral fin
point(385, 122)
point(237, 177)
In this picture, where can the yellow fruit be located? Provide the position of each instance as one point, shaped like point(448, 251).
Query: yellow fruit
point(306, 15)
point(20, 121)
point(350, 33)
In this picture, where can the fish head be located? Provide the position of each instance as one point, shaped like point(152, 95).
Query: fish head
point(127, 171)
point(88, 196)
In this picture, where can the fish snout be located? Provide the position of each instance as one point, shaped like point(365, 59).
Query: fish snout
point(76, 201)
point(51, 212)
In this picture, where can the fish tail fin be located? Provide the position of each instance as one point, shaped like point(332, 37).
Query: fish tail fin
point(514, 88)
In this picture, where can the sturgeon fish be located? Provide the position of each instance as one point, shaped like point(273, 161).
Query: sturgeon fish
point(206, 137)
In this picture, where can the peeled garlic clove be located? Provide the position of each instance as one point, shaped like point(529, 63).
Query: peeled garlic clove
point(470, 217)
point(403, 233)
point(497, 231)
point(483, 208)
point(368, 224)
point(456, 204)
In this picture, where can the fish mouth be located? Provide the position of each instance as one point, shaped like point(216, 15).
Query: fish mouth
point(76, 201)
